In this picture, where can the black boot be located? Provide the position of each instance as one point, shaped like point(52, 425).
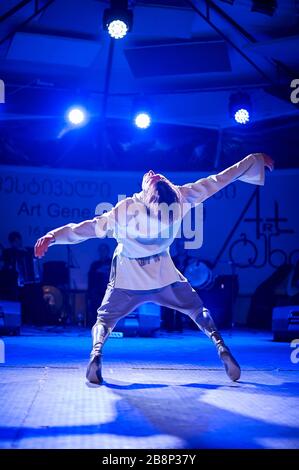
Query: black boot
point(99, 334)
point(94, 369)
point(231, 366)
point(207, 325)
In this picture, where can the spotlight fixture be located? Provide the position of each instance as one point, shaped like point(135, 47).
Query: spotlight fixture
point(118, 19)
point(267, 7)
point(142, 120)
point(76, 116)
point(240, 107)
point(142, 111)
point(242, 116)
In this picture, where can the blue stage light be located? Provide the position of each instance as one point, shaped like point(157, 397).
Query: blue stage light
point(117, 29)
point(76, 116)
point(142, 120)
point(118, 19)
point(240, 107)
point(242, 116)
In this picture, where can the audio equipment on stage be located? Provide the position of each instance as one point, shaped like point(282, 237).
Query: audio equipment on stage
point(10, 317)
point(220, 297)
point(79, 307)
point(56, 273)
point(33, 305)
point(285, 322)
point(9, 289)
point(144, 321)
point(271, 293)
point(31, 268)
point(198, 274)
point(58, 307)
point(23, 263)
point(149, 319)
point(56, 292)
point(53, 297)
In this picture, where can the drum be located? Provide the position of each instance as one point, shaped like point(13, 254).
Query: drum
point(54, 301)
point(53, 297)
point(198, 274)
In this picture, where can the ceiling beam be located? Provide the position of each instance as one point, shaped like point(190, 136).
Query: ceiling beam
point(14, 10)
point(277, 66)
point(206, 18)
point(37, 11)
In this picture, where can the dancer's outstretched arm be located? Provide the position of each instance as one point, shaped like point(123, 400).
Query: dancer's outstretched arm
point(73, 233)
point(250, 170)
point(76, 233)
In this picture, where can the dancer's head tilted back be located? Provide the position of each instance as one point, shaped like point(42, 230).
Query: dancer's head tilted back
point(158, 191)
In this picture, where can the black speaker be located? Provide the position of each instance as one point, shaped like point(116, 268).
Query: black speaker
point(219, 299)
point(56, 273)
point(285, 323)
point(33, 305)
point(144, 321)
point(9, 284)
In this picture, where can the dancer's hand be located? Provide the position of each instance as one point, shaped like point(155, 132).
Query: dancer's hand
point(42, 245)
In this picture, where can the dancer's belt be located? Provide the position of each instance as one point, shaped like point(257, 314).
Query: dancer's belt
point(147, 259)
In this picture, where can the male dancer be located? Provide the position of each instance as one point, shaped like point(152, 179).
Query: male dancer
point(142, 269)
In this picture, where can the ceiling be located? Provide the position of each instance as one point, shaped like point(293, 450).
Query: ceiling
point(183, 58)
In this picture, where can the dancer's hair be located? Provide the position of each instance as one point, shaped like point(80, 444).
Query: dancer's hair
point(161, 196)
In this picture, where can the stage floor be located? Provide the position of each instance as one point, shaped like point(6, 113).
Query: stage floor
point(163, 392)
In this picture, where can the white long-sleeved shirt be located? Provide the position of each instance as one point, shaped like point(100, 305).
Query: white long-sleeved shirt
point(141, 260)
